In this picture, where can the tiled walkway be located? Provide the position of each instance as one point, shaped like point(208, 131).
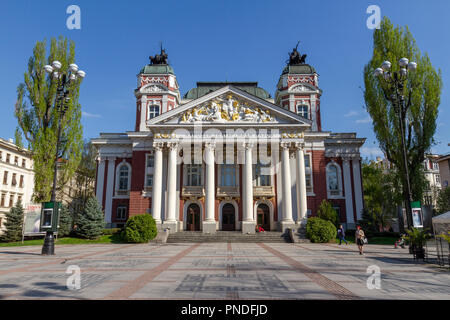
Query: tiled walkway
point(218, 271)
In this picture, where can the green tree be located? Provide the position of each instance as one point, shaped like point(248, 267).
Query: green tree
point(392, 43)
point(382, 195)
point(320, 231)
point(139, 229)
point(326, 212)
point(90, 223)
point(38, 118)
point(65, 222)
point(14, 224)
point(18, 138)
point(443, 201)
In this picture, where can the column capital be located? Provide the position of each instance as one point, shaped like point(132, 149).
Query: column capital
point(248, 145)
point(172, 145)
point(158, 146)
point(285, 144)
point(299, 145)
point(210, 145)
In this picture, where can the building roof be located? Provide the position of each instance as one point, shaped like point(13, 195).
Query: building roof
point(298, 69)
point(204, 88)
point(157, 69)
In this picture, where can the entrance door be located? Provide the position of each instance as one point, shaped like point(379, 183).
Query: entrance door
point(263, 216)
point(228, 217)
point(193, 218)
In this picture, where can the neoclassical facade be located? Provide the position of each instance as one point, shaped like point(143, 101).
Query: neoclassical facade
point(228, 156)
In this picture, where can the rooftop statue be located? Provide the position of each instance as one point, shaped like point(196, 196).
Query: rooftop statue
point(295, 57)
point(159, 58)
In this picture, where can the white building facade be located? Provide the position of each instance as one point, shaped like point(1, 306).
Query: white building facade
point(227, 156)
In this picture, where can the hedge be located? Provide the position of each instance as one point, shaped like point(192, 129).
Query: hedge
point(320, 231)
point(139, 229)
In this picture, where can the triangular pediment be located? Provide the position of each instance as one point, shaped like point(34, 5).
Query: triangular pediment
point(228, 106)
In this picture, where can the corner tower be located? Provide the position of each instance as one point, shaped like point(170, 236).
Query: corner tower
point(298, 89)
point(157, 90)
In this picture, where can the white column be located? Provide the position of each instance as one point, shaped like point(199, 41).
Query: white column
point(209, 225)
point(248, 223)
point(302, 205)
point(100, 179)
point(358, 186)
point(157, 183)
point(348, 193)
point(110, 190)
point(172, 182)
point(143, 124)
point(286, 221)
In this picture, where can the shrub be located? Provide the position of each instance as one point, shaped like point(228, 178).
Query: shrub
point(326, 212)
point(140, 228)
point(14, 224)
point(111, 231)
point(65, 222)
point(319, 230)
point(90, 223)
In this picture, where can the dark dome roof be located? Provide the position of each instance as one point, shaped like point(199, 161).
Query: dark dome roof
point(299, 69)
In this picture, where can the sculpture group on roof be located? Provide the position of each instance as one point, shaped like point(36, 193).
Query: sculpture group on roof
point(159, 58)
point(295, 57)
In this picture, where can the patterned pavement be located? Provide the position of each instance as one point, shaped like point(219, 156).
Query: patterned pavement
point(227, 271)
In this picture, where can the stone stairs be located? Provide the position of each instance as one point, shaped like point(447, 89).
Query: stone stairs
point(228, 236)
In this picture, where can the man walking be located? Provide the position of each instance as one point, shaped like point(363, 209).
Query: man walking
point(341, 235)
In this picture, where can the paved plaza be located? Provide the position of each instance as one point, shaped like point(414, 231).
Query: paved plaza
point(218, 271)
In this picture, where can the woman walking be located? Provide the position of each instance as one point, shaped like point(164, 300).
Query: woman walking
point(360, 237)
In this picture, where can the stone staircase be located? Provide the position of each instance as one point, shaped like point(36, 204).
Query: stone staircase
point(228, 236)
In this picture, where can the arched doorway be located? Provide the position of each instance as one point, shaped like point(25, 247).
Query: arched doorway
point(263, 216)
point(193, 217)
point(228, 217)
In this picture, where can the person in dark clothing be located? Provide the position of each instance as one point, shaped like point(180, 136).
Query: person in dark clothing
point(341, 235)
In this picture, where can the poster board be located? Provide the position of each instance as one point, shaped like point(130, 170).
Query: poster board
point(32, 220)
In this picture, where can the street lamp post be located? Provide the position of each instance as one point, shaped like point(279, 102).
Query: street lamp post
point(62, 98)
point(396, 83)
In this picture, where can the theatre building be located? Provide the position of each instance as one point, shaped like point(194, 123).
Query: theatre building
point(228, 156)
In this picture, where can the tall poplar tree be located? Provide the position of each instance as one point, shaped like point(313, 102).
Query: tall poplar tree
point(38, 117)
point(393, 43)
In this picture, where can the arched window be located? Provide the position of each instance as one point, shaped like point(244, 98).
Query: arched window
point(334, 184)
point(303, 110)
point(153, 111)
point(123, 178)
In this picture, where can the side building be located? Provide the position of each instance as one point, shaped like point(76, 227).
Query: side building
point(16, 177)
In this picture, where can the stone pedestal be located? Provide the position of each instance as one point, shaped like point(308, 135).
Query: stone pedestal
point(209, 227)
point(248, 227)
point(172, 225)
point(287, 225)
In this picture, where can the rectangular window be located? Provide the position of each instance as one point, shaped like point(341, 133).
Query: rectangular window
point(121, 213)
point(7, 157)
point(11, 200)
point(21, 181)
point(149, 180)
point(19, 199)
point(14, 181)
point(261, 175)
point(308, 173)
point(228, 175)
point(2, 204)
point(194, 175)
point(438, 179)
point(150, 163)
point(16, 161)
point(303, 111)
point(5, 177)
point(24, 163)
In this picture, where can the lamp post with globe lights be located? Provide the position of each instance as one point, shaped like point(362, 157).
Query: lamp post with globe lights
point(64, 79)
point(393, 87)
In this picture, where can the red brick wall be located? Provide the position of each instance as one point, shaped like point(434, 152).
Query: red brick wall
point(115, 204)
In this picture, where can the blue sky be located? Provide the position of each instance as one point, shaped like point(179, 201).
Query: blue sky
point(217, 41)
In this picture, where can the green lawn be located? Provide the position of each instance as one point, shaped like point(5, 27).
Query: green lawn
point(373, 240)
point(115, 238)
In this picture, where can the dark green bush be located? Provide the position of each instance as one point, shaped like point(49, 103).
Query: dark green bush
point(140, 228)
point(326, 212)
point(111, 231)
point(319, 230)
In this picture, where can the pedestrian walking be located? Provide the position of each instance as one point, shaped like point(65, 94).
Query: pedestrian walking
point(341, 235)
point(360, 238)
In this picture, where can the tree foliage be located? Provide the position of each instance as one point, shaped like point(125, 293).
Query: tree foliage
point(320, 231)
point(14, 224)
point(139, 229)
point(90, 222)
point(65, 222)
point(38, 118)
point(443, 201)
point(392, 43)
point(382, 195)
point(326, 212)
